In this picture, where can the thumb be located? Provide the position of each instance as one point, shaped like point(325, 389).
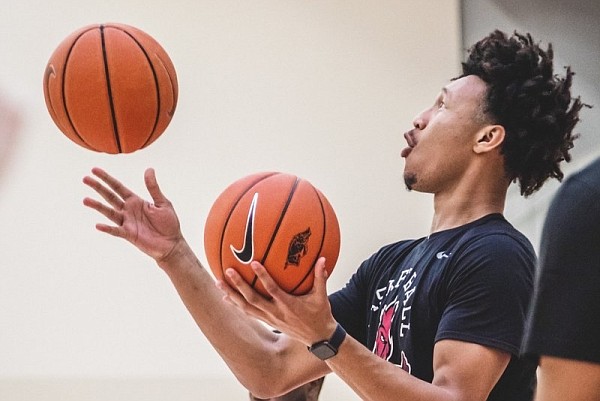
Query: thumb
point(153, 189)
point(321, 276)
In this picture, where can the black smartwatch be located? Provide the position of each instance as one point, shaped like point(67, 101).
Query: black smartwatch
point(327, 348)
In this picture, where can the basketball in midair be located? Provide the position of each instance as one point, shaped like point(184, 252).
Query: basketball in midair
point(277, 219)
point(111, 88)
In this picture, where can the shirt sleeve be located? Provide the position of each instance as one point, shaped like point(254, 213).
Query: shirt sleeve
point(348, 304)
point(565, 315)
point(489, 289)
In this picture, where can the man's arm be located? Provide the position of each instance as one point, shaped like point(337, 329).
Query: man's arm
point(462, 371)
point(562, 379)
point(263, 361)
point(266, 363)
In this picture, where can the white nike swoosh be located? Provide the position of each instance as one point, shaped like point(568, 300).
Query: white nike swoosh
point(246, 254)
point(442, 254)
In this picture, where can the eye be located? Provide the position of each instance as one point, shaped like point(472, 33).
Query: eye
point(441, 104)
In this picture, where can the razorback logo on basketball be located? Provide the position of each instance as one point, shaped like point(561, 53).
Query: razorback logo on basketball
point(297, 248)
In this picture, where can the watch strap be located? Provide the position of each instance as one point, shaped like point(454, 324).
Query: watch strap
point(338, 337)
point(328, 348)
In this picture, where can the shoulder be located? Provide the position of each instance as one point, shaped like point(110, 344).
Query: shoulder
point(587, 179)
point(573, 219)
point(495, 236)
point(494, 252)
point(577, 199)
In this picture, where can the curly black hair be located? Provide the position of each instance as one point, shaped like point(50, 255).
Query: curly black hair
point(533, 105)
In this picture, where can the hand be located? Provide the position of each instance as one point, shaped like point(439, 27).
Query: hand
point(152, 227)
point(306, 318)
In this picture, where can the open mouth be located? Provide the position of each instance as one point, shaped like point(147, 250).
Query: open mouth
point(410, 140)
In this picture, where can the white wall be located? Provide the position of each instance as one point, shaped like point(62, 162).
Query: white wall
point(322, 89)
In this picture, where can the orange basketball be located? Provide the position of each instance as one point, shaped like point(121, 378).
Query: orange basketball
point(111, 88)
point(278, 219)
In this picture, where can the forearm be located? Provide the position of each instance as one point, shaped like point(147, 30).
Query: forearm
point(248, 347)
point(375, 379)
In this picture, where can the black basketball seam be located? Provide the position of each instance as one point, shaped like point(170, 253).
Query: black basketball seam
point(64, 98)
point(281, 216)
point(109, 88)
point(156, 86)
point(312, 266)
point(222, 236)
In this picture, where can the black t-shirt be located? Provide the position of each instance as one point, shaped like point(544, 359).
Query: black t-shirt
point(565, 314)
point(470, 283)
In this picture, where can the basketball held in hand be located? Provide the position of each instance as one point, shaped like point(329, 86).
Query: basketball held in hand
point(277, 219)
point(111, 88)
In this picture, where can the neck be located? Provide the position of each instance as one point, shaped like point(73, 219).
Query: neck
point(459, 207)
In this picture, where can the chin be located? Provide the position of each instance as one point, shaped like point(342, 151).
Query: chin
point(410, 179)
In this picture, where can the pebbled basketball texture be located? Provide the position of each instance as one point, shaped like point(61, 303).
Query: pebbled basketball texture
point(111, 88)
point(278, 219)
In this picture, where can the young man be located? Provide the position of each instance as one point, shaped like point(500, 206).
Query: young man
point(563, 328)
point(437, 318)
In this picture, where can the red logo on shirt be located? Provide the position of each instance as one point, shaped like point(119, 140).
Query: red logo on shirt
point(384, 342)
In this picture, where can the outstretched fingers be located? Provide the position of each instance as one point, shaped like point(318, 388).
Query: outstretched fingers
point(113, 183)
point(109, 196)
point(115, 194)
point(110, 213)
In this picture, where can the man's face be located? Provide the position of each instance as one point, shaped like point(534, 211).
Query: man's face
point(441, 142)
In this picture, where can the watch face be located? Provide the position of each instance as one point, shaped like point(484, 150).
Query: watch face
point(323, 351)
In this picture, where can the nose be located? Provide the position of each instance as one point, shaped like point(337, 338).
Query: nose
point(420, 122)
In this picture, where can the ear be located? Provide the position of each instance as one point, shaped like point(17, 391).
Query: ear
point(489, 138)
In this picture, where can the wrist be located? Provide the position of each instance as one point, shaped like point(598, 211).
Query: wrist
point(329, 347)
point(175, 256)
point(325, 333)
